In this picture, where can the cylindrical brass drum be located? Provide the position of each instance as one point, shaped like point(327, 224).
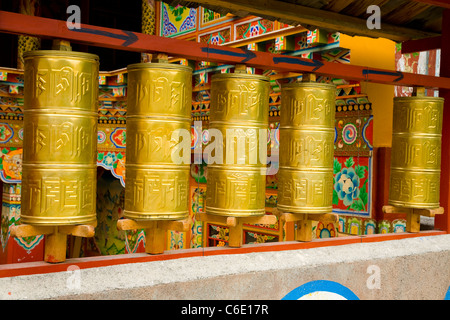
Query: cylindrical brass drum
point(305, 176)
point(159, 105)
point(416, 152)
point(59, 170)
point(240, 114)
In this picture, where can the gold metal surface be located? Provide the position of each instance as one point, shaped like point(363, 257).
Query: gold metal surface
point(416, 152)
point(61, 80)
point(59, 169)
point(305, 176)
point(239, 110)
point(159, 103)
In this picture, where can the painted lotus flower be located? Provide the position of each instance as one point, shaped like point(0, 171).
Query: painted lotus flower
point(110, 158)
point(347, 185)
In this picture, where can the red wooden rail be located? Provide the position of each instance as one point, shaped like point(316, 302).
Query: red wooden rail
point(27, 268)
point(133, 41)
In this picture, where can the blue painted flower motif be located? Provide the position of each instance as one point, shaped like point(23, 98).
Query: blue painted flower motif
point(347, 185)
point(109, 159)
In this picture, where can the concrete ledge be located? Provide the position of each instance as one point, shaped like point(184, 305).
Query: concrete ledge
point(416, 268)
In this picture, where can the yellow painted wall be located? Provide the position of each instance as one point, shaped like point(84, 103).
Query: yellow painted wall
point(375, 53)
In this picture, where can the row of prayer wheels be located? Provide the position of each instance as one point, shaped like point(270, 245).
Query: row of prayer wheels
point(60, 132)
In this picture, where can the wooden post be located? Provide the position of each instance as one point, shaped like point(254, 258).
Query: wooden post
point(309, 77)
point(235, 235)
point(413, 215)
point(62, 45)
point(55, 247)
point(155, 231)
point(240, 68)
point(160, 58)
point(443, 221)
point(304, 222)
point(235, 225)
point(304, 229)
point(155, 238)
point(412, 222)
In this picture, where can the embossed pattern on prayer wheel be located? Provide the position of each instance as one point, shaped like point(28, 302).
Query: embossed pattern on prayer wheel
point(305, 176)
point(416, 152)
point(240, 112)
point(159, 105)
point(59, 169)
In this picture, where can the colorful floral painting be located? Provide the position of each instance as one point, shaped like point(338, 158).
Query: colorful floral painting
point(399, 225)
point(370, 226)
point(197, 200)
point(254, 28)
point(10, 214)
point(114, 161)
point(384, 227)
point(255, 237)
point(317, 36)
point(6, 132)
point(217, 235)
point(209, 18)
point(197, 205)
point(352, 185)
point(198, 172)
point(177, 20)
point(216, 38)
point(110, 203)
point(176, 240)
point(354, 133)
point(101, 136)
point(324, 230)
point(196, 235)
point(363, 226)
point(102, 80)
point(134, 240)
point(11, 165)
point(119, 137)
point(346, 186)
point(271, 200)
point(354, 226)
point(194, 137)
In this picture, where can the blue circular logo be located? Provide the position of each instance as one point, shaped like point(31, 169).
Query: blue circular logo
point(321, 290)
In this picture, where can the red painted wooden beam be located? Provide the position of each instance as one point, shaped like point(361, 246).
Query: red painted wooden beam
point(418, 45)
point(28, 268)
point(133, 41)
point(443, 221)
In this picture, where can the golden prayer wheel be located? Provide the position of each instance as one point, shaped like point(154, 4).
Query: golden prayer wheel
point(305, 176)
point(59, 170)
point(416, 152)
point(159, 105)
point(240, 111)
